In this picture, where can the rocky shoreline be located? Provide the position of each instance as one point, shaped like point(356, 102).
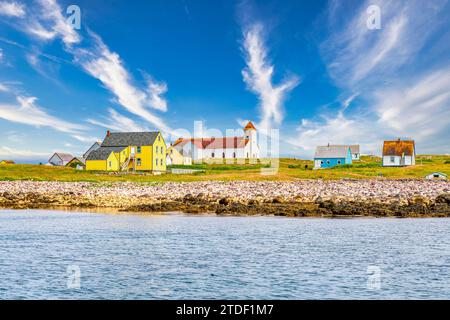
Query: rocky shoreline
point(303, 198)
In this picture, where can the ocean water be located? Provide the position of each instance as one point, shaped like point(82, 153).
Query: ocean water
point(70, 255)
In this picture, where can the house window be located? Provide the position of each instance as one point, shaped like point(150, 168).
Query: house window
point(161, 161)
point(156, 149)
point(223, 155)
point(159, 138)
point(156, 161)
point(392, 159)
point(321, 162)
point(328, 161)
point(212, 155)
point(247, 154)
point(109, 164)
point(138, 149)
point(234, 154)
point(138, 161)
point(339, 161)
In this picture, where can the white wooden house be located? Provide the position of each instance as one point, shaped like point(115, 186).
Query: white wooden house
point(399, 153)
point(244, 147)
point(60, 159)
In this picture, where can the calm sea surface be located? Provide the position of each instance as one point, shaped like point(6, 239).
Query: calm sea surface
point(49, 254)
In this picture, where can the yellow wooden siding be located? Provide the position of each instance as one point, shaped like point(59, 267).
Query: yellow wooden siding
point(159, 154)
point(112, 163)
point(149, 159)
point(96, 165)
point(145, 156)
point(175, 156)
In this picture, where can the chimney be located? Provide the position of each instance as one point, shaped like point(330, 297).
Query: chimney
point(108, 133)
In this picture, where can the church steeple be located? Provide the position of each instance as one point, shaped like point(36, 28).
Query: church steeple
point(249, 126)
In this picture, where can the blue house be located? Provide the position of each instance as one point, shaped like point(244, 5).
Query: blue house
point(331, 156)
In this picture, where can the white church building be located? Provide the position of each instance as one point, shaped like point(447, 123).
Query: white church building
point(245, 147)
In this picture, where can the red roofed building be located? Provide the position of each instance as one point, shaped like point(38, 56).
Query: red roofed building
point(399, 153)
point(225, 147)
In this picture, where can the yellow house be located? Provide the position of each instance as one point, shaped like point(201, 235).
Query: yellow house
point(129, 151)
point(175, 157)
point(5, 162)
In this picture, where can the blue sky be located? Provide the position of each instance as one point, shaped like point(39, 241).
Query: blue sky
point(312, 69)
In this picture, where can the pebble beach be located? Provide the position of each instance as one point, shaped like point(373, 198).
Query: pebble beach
point(206, 196)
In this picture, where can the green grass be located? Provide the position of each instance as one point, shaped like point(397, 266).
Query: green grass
point(288, 170)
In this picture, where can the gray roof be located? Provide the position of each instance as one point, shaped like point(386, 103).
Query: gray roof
point(353, 148)
point(331, 152)
point(95, 146)
point(103, 153)
point(66, 157)
point(125, 139)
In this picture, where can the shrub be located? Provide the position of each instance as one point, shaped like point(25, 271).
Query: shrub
point(367, 165)
point(344, 166)
point(447, 162)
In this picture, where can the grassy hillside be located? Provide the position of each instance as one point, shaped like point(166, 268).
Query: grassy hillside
point(289, 169)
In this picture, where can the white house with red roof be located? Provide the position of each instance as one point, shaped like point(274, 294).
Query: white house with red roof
point(244, 147)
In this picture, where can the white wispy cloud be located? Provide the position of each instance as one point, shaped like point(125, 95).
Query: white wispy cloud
point(12, 9)
point(27, 112)
point(3, 88)
point(107, 66)
point(96, 59)
point(17, 154)
point(155, 92)
point(85, 139)
point(45, 66)
point(338, 129)
point(420, 109)
point(357, 56)
point(399, 93)
point(258, 75)
point(117, 122)
point(50, 23)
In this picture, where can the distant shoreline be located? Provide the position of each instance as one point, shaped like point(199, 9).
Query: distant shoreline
point(312, 198)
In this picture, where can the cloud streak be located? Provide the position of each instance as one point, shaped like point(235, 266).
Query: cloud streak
point(96, 59)
point(108, 68)
point(357, 56)
point(27, 112)
point(258, 75)
point(117, 122)
point(11, 9)
point(49, 24)
point(400, 94)
point(16, 154)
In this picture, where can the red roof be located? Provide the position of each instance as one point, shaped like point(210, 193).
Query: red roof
point(214, 143)
point(249, 126)
point(227, 143)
